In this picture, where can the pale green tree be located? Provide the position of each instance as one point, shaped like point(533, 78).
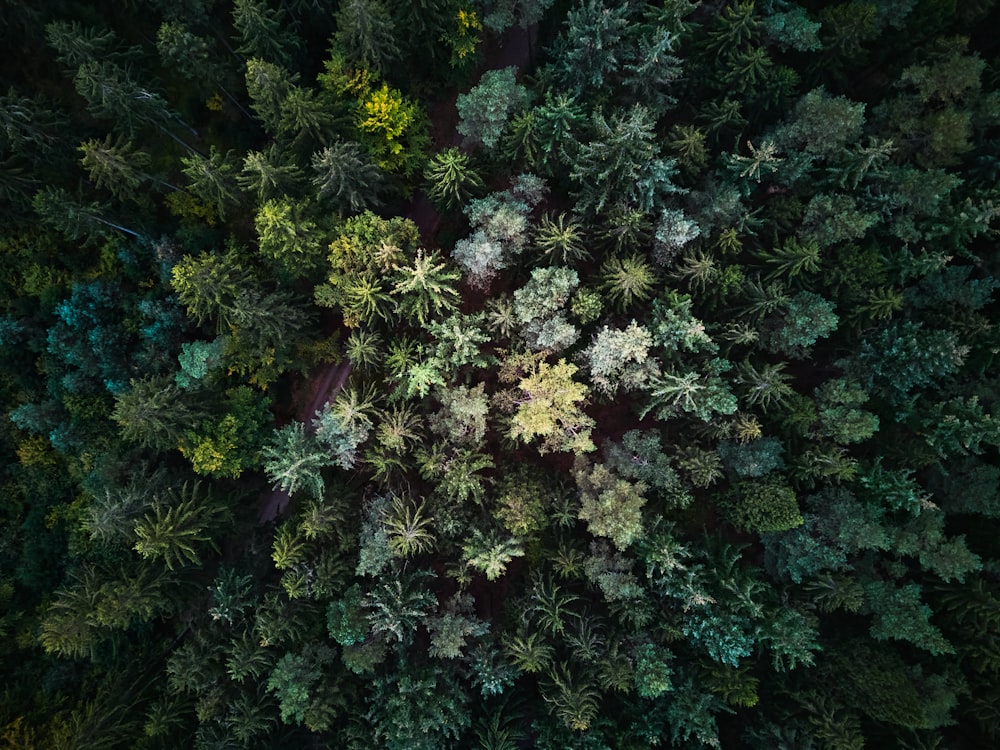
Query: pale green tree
point(294, 459)
point(545, 403)
point(610, 505)
point(425, 287)
point(620, 359)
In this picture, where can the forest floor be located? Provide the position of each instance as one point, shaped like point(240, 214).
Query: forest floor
point(324, 384)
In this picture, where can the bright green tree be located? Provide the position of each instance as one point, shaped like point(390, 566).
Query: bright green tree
point(425, 287)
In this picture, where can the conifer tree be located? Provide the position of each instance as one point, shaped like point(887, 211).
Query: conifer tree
point(344, 174)
point(265, 32)
point(293, 460)
point(175, 531)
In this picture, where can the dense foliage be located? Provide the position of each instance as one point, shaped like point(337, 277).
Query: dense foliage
point(499, 374)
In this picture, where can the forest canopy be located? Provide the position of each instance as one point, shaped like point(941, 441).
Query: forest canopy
point(439, 374)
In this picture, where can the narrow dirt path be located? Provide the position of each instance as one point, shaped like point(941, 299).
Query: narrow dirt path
point(323, 387)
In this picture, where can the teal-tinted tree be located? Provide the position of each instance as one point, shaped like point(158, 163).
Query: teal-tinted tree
point(801, 323)
point(425, 708)
point(754, 458)
point(539, 307)
point(501, 224)
point(905, 356)
point(488, 107)
point(342, 425)
point(620, 165)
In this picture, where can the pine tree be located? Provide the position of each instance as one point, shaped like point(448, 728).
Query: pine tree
point(367, 35)
point(452, 177)
point(112, 94)
point(175, 531)
point(269, 174)
point(293, 460)
point(76, 44)
point(345, 175)
point(407, 528)
point(211, 286)
point(425, 287)
point(268, 85)
point(490, 553)
point(115, 165)
point(540, 308)
point(74, 218)
point(155, 413)
point(265, 32)
point(287, 237)
point(621, 165)
point(213, 179)
point(628, 280)
point(560, 242)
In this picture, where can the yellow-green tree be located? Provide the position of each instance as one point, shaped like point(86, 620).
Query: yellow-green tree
point(545, 403)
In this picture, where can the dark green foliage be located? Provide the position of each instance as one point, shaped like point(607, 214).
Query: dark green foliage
point(424, 709)
point(294, 683)
point(877, 683)
point(759, 274)
point(639, 456)
point(752, 459)
point(762, 506)
point(213, 179)
point(899, 614)
point(805, 319)
point(366, 35)
point(346, 176)
point(264, 32)
point(839, 415)
point(620, 165)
